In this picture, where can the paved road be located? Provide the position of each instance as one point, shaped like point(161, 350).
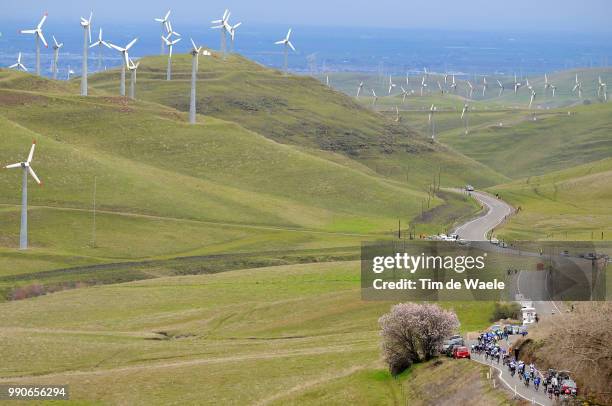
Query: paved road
point(502, 373)
point(477, 229)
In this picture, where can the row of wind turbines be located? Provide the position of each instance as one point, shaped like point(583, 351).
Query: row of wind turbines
point(450, 86)
point(169, 38)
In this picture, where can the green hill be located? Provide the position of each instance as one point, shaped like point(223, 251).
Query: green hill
point(569, 204)
point(523, 147)
point(300, 111)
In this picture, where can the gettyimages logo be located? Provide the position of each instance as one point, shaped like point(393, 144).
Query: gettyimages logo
point(449, 271)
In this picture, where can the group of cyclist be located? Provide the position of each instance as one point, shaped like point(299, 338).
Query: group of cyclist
point(489, 346)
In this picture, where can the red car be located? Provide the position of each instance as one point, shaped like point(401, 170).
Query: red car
point(461, 352)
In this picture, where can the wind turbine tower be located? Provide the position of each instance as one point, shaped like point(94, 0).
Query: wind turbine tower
point(26, 168)
point(86, 24)
point(38, 36)
point(287, 44)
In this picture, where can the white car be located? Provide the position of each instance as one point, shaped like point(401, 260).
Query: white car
point(469, 188)
point(494, 241)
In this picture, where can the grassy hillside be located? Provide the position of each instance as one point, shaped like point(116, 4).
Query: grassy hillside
point(303, 327)
point(525, 147)
point(570, 204)
point(301, 111)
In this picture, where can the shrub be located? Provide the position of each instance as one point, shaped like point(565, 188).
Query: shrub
point(506, 310)
point(414, 332)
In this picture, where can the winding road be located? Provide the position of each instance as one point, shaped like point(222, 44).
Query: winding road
point(476, 230)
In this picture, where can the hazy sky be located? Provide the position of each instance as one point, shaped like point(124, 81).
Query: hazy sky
point(515, 15)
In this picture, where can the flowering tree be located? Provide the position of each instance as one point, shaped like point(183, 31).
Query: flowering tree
point(414, 332)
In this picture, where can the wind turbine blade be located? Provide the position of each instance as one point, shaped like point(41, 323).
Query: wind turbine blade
point(28, 31)
point(42, 37)
point(131, 44)
point(31, 154)
point(291, 45)
point(33, 175)
point(42, 21)
point(280, 42)
point(17, 165)
point(194, 45)
point(288, 34)
point(167, 15)
point(95, 44)
point(115, 47)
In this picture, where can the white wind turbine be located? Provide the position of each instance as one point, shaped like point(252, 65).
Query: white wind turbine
point(164, 20)
point(195, 52)
point(170, 45)
point(485, 85)
point(38, 36)
point(440, 87)
point(501, 87)
point(546, 84)
point(454, 84)
point(86, 24)
point(133, 67)
point(126, 62)
point(56, 48)
point(287, 44)
point(100, 43)
point(465, 118)
point(170, 31)
point(432, 122)
point(18, 64)
point(224, 26)
point(232, 32)
point(578, 86)
point(374, 98)
point(532, 99)
point(404, 94)
point(423, 84)
point(470, 89)
point(359, 88)
point(517, 84)
point(397, 115)
point(602, 88)
point(26, 168)
point(70, 73)
point(391, 84)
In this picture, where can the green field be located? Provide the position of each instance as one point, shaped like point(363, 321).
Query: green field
point(302, 327)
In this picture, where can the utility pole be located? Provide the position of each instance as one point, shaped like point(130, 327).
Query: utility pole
point(93, 239)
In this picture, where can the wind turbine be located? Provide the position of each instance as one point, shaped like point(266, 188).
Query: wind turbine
point(170, 45)
point(391, 84)
point(440, 87)
point(359, 88)
point(133, 67)
point(470, 89)
point(163, 21)
point(125, 64)
point(19, 65)
point(578, 86)
point(397, 115)
point(454, 84)
point(464, 118)
point(533, 96)
point(25, 166)
point(517, 84)
point(232, 32)
point(38, 36)
point(224, 26)
point(375, 98)
point(432, 122)
point(86, 24)
point(56, 48)
point(546, 83)
point(287, 44)
point(195, 52)
point(501, 87)
point(485, 85)
point(100, 43)
point(423, 83)
point(70, 73)
point(404, 94)
point(602, 88)
point(170, 30)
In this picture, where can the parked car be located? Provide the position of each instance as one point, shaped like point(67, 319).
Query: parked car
point(454, 340)
point(461, 352)
point(451, 350)
point(469, 188)
point(569, 387)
